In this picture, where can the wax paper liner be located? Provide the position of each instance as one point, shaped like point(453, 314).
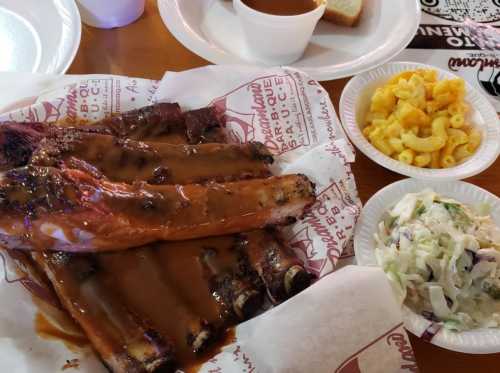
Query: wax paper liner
point(294, 117)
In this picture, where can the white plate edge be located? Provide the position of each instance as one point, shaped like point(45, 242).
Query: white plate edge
point(171, 17)
point(76, 39)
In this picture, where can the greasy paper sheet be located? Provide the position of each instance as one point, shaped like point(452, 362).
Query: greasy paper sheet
point(343, 323)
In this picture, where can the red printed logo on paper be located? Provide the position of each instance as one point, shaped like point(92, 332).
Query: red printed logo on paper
point(400, 341)
point(348, 250)
point(46, 111)
point(98, 96)
point(368, 354)
point(326, 221)
point(303, 246)
point(269, 109)
point(239, 126)
point(351, 367)
point(90, 100)
point(329, 222)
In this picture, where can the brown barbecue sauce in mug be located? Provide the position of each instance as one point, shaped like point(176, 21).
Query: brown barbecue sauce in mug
point(282, 7)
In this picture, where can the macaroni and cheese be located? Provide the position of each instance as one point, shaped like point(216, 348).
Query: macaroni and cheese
point(422, 121)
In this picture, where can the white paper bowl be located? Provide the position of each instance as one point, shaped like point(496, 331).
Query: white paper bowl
point(354, 104)
point(478, 341)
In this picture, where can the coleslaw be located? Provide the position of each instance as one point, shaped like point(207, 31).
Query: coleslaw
point(443, 260)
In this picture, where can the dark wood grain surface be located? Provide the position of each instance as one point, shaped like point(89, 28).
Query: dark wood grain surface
point(147, 49)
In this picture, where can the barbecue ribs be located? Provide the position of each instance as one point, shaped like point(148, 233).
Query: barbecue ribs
point(166, 122)
point(125, 342)
point(157, 163)
point(47, 208)
point(207, 284)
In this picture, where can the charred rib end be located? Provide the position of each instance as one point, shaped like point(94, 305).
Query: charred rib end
point(162, 364)
point(261, 153)
point(296, 280)
point(247, 304)
point(306, 186)
point(201, 341)
point(153, 354)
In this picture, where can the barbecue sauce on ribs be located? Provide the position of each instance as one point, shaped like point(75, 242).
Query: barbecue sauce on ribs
point(181, 296)
point(127, 161)
point(188, 292)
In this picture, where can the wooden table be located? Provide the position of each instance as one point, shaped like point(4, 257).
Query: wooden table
point(147, 49)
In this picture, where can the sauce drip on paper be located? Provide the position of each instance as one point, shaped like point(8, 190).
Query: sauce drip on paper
point(47, 330)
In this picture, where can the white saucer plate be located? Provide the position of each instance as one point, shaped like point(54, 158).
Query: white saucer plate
point(38, 36)
point(477, 341)
point(211, 29)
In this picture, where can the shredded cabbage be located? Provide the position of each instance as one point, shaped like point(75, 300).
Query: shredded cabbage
point(442, 259)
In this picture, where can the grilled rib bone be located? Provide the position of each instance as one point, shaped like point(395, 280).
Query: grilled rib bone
point(232, 293)
point(277, 266)
point(124, 343)
point(159, 299)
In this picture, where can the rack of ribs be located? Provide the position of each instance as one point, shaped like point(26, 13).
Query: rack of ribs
point(47, 208)
point(125, 342)
point(127, 161)
point(166, 122)
point(159, 123)
point(228, 272)
point(178, 280)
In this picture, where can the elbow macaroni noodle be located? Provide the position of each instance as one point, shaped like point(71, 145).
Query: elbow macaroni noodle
point(421, 121)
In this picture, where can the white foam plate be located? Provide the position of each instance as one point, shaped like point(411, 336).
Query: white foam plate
point(354, 104)
point(478, 341)
point(211, 29)
point(38, 36)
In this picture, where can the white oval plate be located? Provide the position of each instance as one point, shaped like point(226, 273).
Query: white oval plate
point(478, 341)
point(38, 36)
point(211, 29)
point(354, 104)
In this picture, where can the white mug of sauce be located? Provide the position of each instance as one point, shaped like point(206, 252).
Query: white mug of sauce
point(110, 13)
point(277, 31)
